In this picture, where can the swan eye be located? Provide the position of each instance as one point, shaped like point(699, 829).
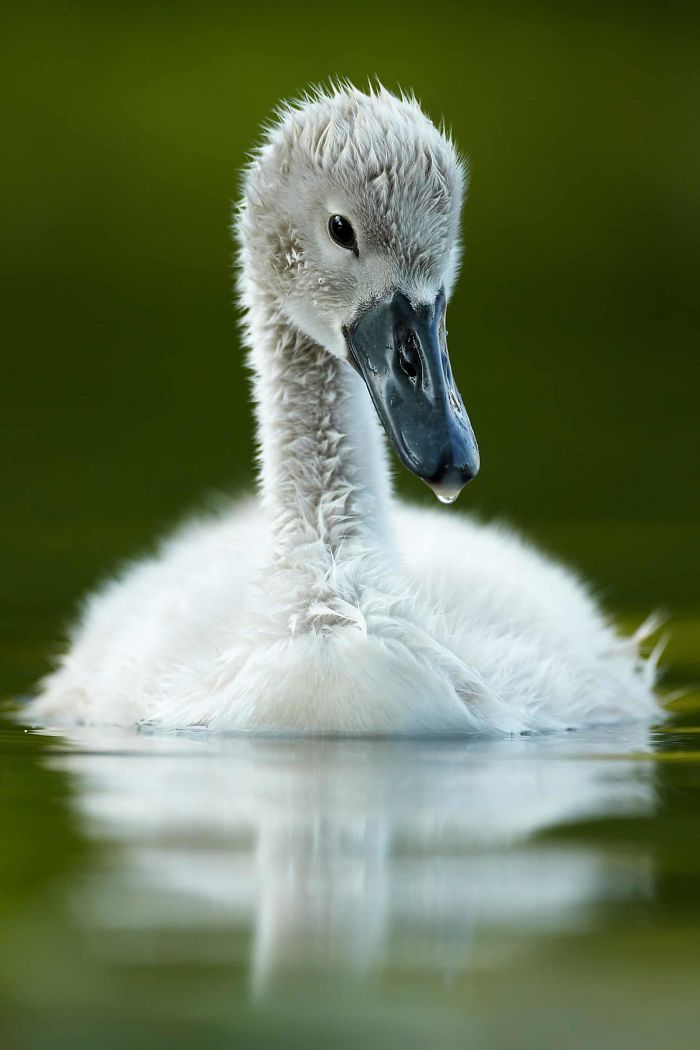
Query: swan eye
point(342, 232)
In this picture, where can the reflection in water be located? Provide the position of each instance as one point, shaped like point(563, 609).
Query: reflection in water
point(355, 858)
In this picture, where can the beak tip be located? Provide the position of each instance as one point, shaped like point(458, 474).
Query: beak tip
point(449, 485)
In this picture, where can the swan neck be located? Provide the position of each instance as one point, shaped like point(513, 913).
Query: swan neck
point(323, 473)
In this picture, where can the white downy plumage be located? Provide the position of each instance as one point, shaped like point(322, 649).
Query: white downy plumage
point(324, 606)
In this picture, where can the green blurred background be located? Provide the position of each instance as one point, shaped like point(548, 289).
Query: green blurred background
point(124, 399)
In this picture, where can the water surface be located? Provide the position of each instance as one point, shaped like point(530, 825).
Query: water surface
point(174, 889)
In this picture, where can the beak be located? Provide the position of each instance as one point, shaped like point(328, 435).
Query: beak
point(401, 353)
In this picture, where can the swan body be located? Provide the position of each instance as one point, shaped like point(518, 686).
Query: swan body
point(324, 605)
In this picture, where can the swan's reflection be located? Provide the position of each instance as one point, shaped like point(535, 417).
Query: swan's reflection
point(350, 857)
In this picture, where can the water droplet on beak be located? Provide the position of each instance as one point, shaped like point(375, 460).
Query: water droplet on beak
point(446, 493)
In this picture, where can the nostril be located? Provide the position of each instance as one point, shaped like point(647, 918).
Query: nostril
point(409, 356)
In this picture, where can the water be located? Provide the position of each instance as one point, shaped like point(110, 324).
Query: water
point(184, 889)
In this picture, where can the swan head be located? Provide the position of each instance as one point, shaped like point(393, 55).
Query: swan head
point(350, 225)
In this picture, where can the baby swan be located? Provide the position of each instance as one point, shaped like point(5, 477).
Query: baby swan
point(324, 606)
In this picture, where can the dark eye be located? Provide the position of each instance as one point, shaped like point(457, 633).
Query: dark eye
point(342, 232)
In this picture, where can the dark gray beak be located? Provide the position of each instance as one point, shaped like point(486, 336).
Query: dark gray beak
point(401, 353)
